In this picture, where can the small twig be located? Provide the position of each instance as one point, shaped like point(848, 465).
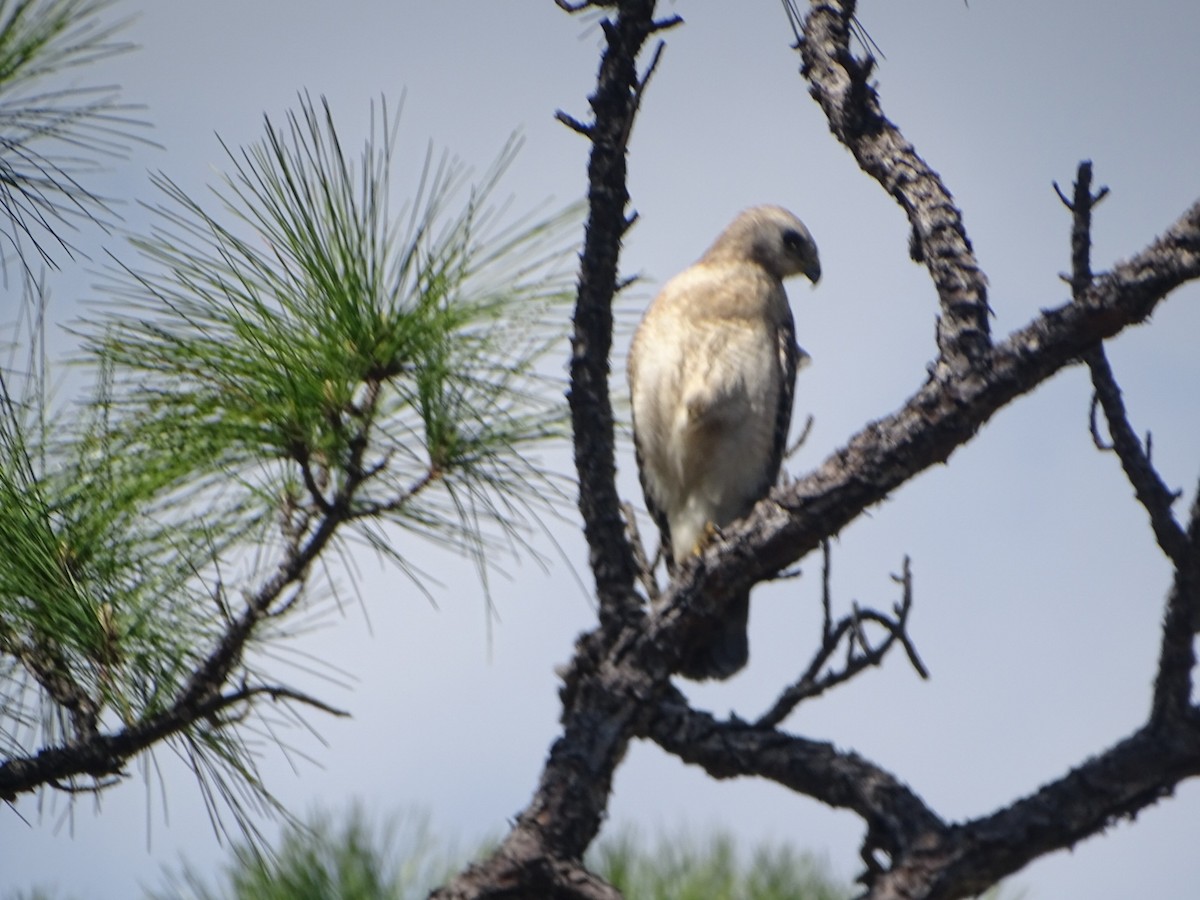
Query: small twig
point(644, 565)
point(857, 635)
point(800, 441)
point(98, 785)
point(817, 678)
point(574, 124)
point(376, 508)
point(639, 89)
point(663, 24)
point(1081, 204)
point(277, 693)
point(826, 600)
point(1094, 425)
point(789, 574)
point(902, 610)
point(623, 283)
point(1152, 492)
point(314, 483)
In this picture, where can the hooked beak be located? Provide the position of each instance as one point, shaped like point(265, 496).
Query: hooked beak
point(813, 271)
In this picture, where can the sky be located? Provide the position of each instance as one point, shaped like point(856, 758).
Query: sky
point(1038, 587)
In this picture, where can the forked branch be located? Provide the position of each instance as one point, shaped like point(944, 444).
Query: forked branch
point(848, 633)
point(1152, 492)
point(616, 686)
point(842, 84)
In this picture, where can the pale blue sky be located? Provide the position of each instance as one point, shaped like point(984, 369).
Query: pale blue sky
point(1038, 586)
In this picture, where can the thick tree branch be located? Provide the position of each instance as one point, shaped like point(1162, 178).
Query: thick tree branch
point(614, 105)
point(930, 858)
point(1177, 652)
point(896, 817)
point(968, 858)
point(842, 84)
point(599, 698)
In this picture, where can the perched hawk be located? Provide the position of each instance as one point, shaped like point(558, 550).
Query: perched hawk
point(711, 372)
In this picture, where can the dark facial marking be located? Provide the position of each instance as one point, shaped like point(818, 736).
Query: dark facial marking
point(794, 242)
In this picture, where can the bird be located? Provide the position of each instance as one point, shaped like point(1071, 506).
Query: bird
point(711, 372)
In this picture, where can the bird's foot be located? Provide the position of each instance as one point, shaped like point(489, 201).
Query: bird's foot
point(711, 531)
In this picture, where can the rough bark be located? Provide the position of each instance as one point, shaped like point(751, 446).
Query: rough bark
point(617, 686)
point(540, 856)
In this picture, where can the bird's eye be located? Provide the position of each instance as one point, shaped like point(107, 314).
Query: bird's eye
point(793, 240)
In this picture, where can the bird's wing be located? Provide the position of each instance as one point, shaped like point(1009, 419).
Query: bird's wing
point(790, 358)
point(657, 513)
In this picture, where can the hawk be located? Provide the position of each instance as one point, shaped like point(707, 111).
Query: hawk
point(712, 370)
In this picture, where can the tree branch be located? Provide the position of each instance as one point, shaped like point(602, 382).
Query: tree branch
point(896, 817)
point(599, 699)
point(1151, 491)
point(614, 104)
point(53, 674)
point(1149, 487)
point(1177, 658)
point(968, 858)
point(106, 754)
point(842, 84)
point(201, 695)
point(1177, 652)
point(817, 679)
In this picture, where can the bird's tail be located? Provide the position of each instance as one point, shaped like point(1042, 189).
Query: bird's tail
point(726, 650)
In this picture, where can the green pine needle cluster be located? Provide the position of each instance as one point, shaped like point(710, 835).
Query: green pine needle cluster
point(683, 867)
point(306, 342)
point(287, 366)
point(99, 604)
point(326, 857)
point(51, 138)
point(349, 856)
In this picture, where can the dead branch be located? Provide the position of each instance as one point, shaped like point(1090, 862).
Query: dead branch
point(616, 686)
point(645, 565)
point(1177, 651)
point(896, 817)
point(615, 104)
point(600, 700)
point(849, 631)
point(842, 84)
point(1151, 491)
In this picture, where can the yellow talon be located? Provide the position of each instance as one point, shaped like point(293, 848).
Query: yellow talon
point(710, 531)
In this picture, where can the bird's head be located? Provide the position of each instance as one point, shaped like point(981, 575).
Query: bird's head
point(772, 237)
